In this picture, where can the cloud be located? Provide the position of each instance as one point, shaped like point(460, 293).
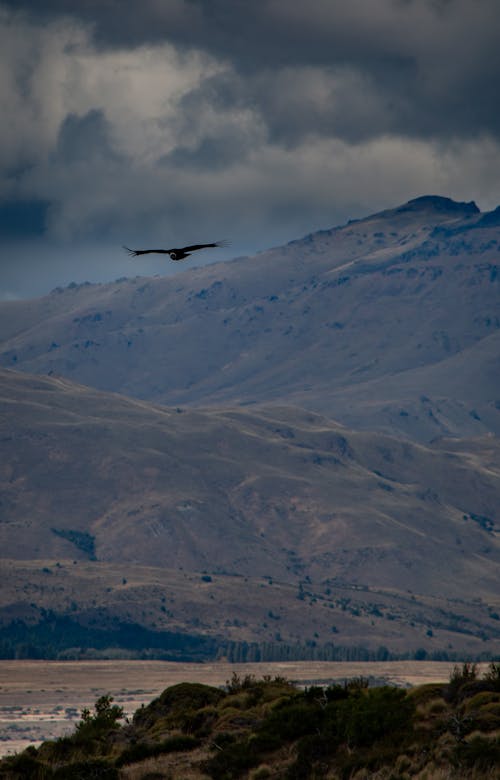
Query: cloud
point(83, 123)
point(84, 139)
point(432, 62)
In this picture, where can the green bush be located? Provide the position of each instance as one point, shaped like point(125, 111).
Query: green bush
point(368, 761)
point(24, 765)
point(177, 705)
point(375, 714)
point(323, 695)
point(264, 742)
point(142, 750)
point(199, 722)
point(293, 720)
point(237, 683)
point(312, 750)
point(482, 699)
point(493, 675)
point(105, 718)
point(479, 753)
point(458, 679)
point(57, 751)
point(488, 717)
point(232, 761)
point(85, 770)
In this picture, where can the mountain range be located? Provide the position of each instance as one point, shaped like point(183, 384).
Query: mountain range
point(297, 447)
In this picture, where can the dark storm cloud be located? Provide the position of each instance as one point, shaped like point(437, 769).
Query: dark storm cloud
point(431, 66)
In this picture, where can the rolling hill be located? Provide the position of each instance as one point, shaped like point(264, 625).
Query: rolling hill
point(244, 523)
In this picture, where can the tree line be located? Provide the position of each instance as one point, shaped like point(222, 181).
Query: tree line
point(59, 637)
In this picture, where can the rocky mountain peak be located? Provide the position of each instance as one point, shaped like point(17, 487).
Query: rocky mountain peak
point(440, 204)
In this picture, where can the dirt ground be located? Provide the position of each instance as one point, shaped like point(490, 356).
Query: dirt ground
point(43, 699)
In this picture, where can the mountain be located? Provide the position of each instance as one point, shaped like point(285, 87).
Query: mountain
point(247, 523)
point(293, 450)
point(388, 323)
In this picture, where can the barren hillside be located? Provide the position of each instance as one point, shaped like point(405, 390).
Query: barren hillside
point(245, 516)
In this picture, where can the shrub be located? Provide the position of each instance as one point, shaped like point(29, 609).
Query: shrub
point(488, 717)
point(425, 693)
point(105, 717)
point(142, 750)
point(311, 750)
point(25, 765)
point(493, 675)
point(177, 705)
point(58, 751)
point(480, 700)
point(84, 770)
point(232, 761)
point(479, 753)
point(264, 742)
point(237, 683)
point(336, 693)
point(458, 679)
point(373, 715)
point(200, 722)
point(293, 720)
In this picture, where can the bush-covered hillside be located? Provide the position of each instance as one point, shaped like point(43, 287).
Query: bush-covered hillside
point(268, 728)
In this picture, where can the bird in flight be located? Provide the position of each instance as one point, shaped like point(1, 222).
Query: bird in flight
point(176, 253)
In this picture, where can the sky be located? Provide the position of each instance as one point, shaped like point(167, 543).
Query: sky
point(172, 122)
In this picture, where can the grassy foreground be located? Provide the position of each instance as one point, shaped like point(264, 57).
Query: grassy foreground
point(268, 728)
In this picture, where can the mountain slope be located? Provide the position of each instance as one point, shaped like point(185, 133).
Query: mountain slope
point(275, 492)
point(389, 322)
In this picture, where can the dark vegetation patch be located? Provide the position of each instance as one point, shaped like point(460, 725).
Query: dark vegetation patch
point(85, 542)
point(61, 637)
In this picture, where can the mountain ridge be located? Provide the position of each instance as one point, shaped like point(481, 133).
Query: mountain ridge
point(338, 309)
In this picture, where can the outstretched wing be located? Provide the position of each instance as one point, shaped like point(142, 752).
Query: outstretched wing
point(194, 247)
point(175, 253)
point(135, 252)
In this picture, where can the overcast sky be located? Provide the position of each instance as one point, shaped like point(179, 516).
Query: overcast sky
point(168, 122)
